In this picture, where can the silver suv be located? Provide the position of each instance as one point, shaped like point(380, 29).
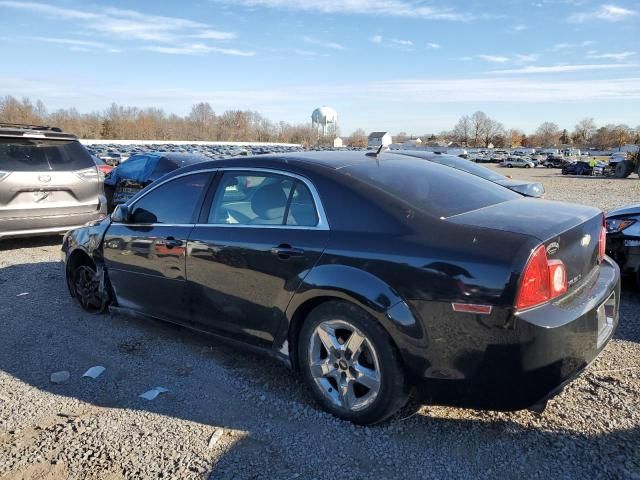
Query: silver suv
point(48, 182)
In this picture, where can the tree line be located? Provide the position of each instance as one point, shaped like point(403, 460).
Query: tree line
point(203, 123)
point(479, 130)
point(133, 123)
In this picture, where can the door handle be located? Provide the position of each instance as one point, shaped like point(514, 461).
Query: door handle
point(171, 242)
point(285, 251)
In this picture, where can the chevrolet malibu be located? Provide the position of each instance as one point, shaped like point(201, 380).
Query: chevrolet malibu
point(373, 276)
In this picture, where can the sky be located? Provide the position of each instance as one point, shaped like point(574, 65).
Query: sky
point(398, 65)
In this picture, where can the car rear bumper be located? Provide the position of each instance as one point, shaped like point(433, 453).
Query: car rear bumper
point(530, 357)
point(45, 225)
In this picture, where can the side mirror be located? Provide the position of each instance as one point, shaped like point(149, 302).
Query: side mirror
point(120, 214)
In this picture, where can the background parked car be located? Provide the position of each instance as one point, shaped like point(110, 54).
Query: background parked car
point(623, 239)
point(585, 167)
point(131, 176)
point(529, 189)
point(102, 166)
point(517, 162)
point(48, 182)
point(555, 162)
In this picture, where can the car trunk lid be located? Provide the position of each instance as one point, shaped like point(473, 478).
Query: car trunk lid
point(569, 232)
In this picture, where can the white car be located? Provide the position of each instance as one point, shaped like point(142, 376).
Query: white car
point(518, 162)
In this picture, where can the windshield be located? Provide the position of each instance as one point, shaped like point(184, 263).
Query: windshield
point(40, 155)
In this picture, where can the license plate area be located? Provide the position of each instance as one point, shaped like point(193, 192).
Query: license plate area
point(606, 314)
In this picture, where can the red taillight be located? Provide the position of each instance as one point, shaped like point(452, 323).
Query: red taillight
point(602, 245)
point(542, 280)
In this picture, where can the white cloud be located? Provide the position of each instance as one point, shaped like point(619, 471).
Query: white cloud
point(395, 8)
point(323, 43)
point(562, 68)
point(611, 56)
point(608, 13)
point(516, 90)
point(215, 35)
point(494, 58)
point(308, 53)
point(559, 47)
point(528, 58)
point(51, 10)
point(376, 39)
point(77, 45)
point(403, 43)
point(519, 28)
point(434, 46)
point(196, 49)
point(126, 24)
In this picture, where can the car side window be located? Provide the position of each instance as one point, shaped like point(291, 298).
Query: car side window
point(302, 209)
point(246, 198)
point(173, 202)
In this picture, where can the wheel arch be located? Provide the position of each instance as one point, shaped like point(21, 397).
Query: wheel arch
point(76, 258)
point(338, 282)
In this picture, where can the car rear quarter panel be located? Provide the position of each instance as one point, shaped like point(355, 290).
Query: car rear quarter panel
point(409, 282)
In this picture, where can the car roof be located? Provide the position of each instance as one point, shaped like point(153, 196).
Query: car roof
point(19, 130)
point(333, 159)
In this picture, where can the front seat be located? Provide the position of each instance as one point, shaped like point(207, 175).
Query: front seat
point(269, 203)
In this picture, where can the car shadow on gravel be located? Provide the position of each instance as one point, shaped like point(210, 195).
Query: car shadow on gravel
point(30, 242)
point(272, 428)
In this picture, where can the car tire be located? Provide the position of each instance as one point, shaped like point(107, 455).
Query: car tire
point(86, 289)
point(509, 166)
point(364, 388)
point(623, 169)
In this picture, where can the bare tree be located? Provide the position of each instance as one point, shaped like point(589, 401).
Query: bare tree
point(462, 130)
point(357, 139)
point(548, 134)
point(584, 131)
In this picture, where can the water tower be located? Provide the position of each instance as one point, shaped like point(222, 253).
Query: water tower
point(325, 121)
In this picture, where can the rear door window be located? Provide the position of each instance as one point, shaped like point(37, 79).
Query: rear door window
point(262, 199)
point(42, 155)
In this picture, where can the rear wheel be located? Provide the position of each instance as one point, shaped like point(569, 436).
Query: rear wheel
point(86, 288)
point(623, 169)
point(350, 364)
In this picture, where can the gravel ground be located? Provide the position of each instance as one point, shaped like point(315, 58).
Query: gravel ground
point(230, 414)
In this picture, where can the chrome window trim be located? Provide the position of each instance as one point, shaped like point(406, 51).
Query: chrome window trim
point(323, 223)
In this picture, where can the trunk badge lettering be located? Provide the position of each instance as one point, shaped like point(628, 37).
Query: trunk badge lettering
point(586, 240)
point(44, 178)
point(553, 248)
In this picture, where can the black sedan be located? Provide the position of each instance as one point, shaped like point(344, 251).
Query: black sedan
point(528, 189)
point(370, 275)
point(623, 239)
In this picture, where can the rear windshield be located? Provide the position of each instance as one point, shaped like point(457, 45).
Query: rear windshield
point(42, 155)
point(433, 189)
point(469, 166)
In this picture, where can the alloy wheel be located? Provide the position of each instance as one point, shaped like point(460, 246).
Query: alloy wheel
point(344, 365)
point(87, 289)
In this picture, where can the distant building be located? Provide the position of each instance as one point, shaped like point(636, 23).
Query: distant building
point(337, 143)
point(377, 139)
